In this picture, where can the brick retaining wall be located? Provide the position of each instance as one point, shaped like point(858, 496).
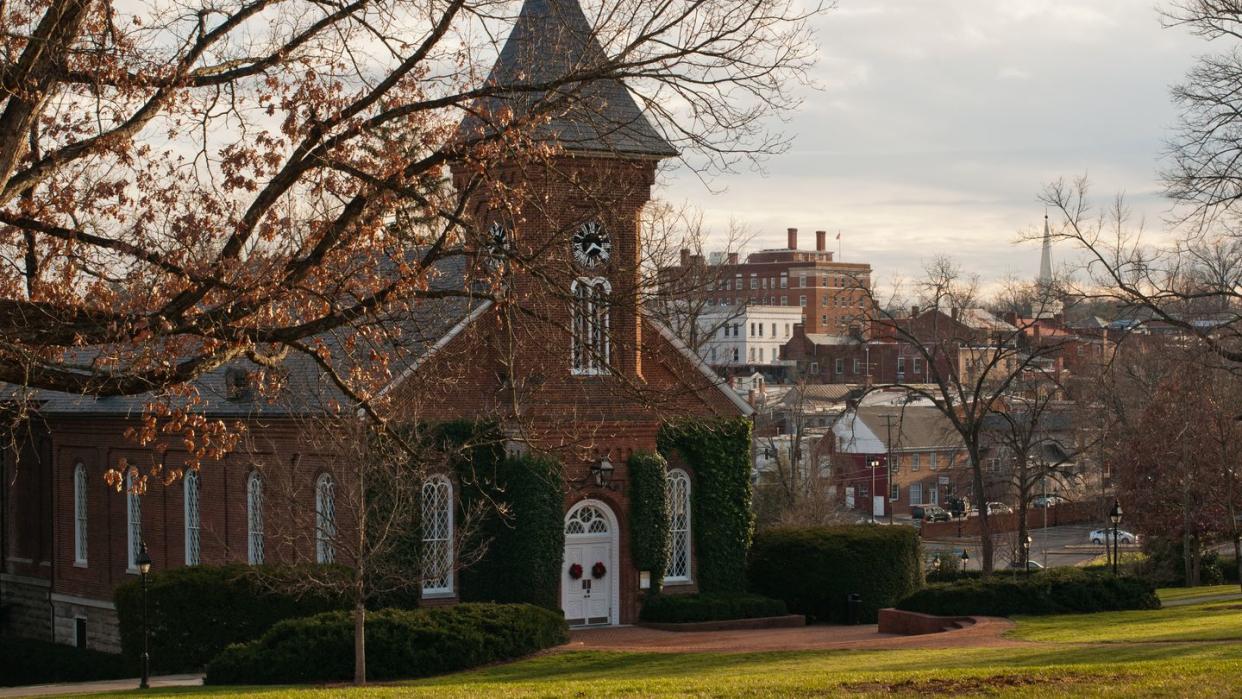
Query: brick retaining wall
point(1067, 513)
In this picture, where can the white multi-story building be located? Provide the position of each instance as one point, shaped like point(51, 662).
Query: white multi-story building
point(747, 336)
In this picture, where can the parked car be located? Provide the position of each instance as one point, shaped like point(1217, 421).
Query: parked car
point(1030, 565)
point(929, 513)
point(1041, 501)
point(1100, 536)
point(999, 508)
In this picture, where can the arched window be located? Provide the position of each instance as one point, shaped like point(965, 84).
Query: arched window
point(191, 517)
point(254, 519)
point(133, 520)
point(325, 519)
point(79, 514)
point(589, 346)
point(437, 512)
point(679, 526)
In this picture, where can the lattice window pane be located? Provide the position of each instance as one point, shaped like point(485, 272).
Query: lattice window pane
point(191, 519)
point(133, 511)
point(589, 341)
point(679, 526)
point(254, 520)
point(437, 529)
point(325, 519)
point(79, 514)
point(587, 519)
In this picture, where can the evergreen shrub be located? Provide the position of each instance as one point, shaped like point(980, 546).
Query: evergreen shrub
point(195, 611)
point(1057, 591)
point(814, 569)
point(682, 609)
point(400, 644)
point(649, 515)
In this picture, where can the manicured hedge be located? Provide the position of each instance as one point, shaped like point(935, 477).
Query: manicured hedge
point(718, 453)
point(814, 569)
point(681, 609)
point(27, 661)
point(400, 644)
point(196, 611)
point(1051, 592)
point(649, 515)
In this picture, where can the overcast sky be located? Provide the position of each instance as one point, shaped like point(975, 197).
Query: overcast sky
point(939, 121)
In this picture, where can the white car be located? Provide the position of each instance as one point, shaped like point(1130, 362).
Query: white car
point(1101, 536)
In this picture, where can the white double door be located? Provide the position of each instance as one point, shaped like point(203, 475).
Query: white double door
point(587, 599)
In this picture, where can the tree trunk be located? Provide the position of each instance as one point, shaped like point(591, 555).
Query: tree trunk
point(985, 528)
point(1237, 556)
point(1187, 549)
point(360, 642)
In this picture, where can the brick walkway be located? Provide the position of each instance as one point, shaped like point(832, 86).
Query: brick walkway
point(44, 690)
point(986, 632)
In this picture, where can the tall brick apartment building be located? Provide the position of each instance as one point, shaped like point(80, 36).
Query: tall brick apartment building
point(580, 372)
point(830, 293)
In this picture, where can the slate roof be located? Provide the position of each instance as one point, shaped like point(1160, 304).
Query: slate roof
point(550, 40)
point(307, 388)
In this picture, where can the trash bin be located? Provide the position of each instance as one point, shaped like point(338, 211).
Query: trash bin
point(853, 609)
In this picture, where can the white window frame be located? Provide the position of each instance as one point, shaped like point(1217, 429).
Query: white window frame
point(931, 461)
point(254, 519)
point(840, 366)
point(915, 461)
point(79, 514)
point(193, 510)
point(590, 356)
point(442, 585)
point(133, 523)
point(680, 529)
point(916, 489)
point(325, 519)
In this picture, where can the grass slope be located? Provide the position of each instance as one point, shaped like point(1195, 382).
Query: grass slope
point(1182, 651)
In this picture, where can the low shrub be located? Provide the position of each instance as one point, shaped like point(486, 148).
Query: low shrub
point(27, 661)
point(400, 644)
point(195, 611)
point(1051, 592)
point(682, 609)
point(814, 569)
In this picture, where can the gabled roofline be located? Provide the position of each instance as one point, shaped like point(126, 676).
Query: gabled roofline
point(439, 345)
point(697, 361)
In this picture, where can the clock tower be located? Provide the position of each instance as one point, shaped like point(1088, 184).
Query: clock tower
point(566, 194)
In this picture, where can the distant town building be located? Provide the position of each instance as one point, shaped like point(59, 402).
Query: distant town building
point(747, 335)
point(830, 295)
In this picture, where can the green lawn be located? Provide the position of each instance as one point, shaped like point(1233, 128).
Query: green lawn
point(1182, 651)
point(1214, 670)
point(1175, 594)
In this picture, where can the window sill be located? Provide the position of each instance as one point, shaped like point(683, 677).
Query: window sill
point(676, 583)
point(79, 564)
point(438, 595)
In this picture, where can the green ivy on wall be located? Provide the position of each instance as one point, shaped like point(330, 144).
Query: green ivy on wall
point(719, 453)
point(649, 515)
point(513, 508)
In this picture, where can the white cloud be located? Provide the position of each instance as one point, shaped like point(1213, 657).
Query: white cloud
point(941, 121)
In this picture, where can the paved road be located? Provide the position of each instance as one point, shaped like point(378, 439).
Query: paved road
point(1053, 547)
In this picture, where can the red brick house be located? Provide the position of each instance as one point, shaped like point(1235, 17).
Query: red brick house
point(568, 364)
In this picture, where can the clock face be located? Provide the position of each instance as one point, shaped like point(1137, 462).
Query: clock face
point(497, 242)
point(591, 244)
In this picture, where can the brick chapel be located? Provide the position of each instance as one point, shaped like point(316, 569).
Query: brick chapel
point(578, 371)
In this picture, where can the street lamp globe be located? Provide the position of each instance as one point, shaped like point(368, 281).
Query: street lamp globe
point(1115, 513)
point(144, 559)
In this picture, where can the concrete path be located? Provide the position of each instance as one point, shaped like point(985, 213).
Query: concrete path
point(44, 690)
point(985, 632)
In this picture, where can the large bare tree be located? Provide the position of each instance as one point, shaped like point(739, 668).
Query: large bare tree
point(184, 185)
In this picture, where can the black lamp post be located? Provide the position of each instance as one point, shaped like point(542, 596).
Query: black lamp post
point(144, 567)
point(1026, 554)
point(1115, 515)
point(965, 559)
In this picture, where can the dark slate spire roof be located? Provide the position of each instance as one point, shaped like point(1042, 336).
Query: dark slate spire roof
point(550, 40)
